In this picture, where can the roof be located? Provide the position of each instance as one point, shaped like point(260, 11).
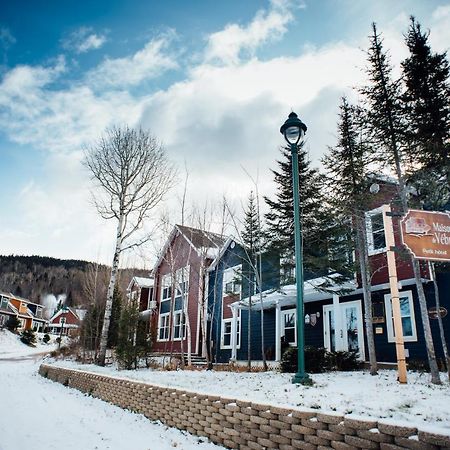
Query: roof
point(204, 242)
point(287, 295)
point(141, 282)
point(200, 238)
point(78, 313)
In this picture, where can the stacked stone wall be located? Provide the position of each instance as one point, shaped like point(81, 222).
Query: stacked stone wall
point(243, 425)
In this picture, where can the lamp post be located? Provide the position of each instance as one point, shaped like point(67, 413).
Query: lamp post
point(294, 131)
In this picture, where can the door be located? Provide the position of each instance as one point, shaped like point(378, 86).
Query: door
point(346, 333)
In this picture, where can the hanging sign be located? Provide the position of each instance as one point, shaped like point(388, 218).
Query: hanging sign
point(426, 234)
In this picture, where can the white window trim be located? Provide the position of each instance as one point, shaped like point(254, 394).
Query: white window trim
point(389, 319)
point(238, 333)
point(178, 312)
point(159, 327)
point(370, 244)
point(285, 312)
point(166, 282)
point(235, 270)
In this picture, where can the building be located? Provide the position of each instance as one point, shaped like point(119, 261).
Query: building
point(180, 318)
point(66, 321)
point(30, 315)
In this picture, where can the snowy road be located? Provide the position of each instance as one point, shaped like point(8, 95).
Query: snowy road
point(38, 414)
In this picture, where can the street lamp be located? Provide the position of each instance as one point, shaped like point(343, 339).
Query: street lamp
point(294, 131)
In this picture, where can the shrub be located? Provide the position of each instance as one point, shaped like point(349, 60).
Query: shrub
point(340, 360)
point(13, 323)
point(318, 360)
point(46, 338)
point(28, 337)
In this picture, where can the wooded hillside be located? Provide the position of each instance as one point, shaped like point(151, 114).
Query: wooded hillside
point(34, 277)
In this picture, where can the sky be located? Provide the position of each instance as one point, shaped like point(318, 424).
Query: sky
point(213, 81)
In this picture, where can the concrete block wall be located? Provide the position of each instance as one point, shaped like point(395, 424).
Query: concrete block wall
point(239, 424)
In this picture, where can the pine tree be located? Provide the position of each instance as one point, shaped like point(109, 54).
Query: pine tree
point(386, 120)
point(347, 169)
point(113, 333)
point(127, 354)
point(280, 218)
point(251, 237)
point(427, 102)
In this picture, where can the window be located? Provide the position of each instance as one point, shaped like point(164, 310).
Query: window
point(407, 315)
point(375, 232)
point(181, 286)
point(163, 327)
point(226, 333)
point(289, 331)
point(232, 280)
point(166, 291)
point(4, 303)
point(179, 325)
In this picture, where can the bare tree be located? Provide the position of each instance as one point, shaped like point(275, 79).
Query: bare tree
point(132, 174)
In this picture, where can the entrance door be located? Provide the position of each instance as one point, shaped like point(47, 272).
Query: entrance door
point(346, 333)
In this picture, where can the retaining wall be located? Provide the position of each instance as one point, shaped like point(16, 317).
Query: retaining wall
point(246, 425)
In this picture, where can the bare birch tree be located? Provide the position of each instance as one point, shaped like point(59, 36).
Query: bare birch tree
point(132, 174)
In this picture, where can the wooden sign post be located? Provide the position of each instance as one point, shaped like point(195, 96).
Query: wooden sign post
point(395, 297)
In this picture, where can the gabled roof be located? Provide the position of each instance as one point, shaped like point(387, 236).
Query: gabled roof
point(224, 248)
point(203, 242)
point(77, 313)
point(141, 282)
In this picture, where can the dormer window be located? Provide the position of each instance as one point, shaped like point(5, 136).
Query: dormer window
point(376, 240)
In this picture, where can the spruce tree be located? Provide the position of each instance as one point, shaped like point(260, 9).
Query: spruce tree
point(386, 121)
point(427, 103)
point(280, 218)
point(113, 333)
point(127, 352)
point(251, 237)
point(347, 180)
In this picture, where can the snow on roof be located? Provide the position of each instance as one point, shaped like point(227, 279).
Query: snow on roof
point(141, 282)
point(287, 295)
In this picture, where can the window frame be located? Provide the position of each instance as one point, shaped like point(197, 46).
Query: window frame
point(370, 232)
point(238, 333)
point(285, 312)
point(165, 316)
point(178, 313)
point(235, 271)
point(166, 287)
point(390, 319)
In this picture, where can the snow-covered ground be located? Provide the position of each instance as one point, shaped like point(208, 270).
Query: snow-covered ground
point(419, 402)
point(12, 347)
point(39, 414)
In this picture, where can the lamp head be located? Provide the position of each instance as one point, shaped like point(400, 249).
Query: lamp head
point(293, 129)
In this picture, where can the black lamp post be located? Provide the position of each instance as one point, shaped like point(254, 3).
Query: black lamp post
point(294, 131)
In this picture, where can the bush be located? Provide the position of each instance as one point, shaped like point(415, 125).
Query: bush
point(318, 360)
point(46, 338)
point(13, 323)
point(344, 360)
point(28, 337)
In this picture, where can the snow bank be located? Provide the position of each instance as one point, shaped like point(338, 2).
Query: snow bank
point(419, 402)
point(12, 347)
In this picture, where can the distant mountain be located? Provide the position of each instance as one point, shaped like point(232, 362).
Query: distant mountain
point(34, 277)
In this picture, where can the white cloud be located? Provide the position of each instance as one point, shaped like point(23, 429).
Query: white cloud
point(83, 39)
point(150, 62)
point(227, 45)
point(219, 118)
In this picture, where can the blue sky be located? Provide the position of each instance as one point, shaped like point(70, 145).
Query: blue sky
point(212, 80)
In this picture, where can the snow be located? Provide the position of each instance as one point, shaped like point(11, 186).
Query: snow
point(42, 415)
point(11, 347)
point(418, 403)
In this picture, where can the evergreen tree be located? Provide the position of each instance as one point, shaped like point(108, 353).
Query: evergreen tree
point(386, 120)
point(113, 333)
point(127, 354)
point(251, 237)
point(28, 337)
point(347, 172)
point(12, 324)
point(427, 102)
point(280, 218)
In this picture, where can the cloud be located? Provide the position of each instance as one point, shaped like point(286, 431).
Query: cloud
point(227, 45)
point(150, 62)
point(83, 39)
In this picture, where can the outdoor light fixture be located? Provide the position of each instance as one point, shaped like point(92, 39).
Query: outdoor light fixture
point(294, 131)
